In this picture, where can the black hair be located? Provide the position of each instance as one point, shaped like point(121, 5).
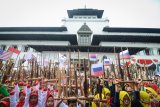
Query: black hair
point(71, 101)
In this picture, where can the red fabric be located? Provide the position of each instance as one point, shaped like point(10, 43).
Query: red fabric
point(21, 83)
point(20, 104)
point(12, 93)
point(34, 93)
point(155, 60)
point(158, 91)
point(14, 50)
point(23, 92)
point(144, 61)
point(7, 104)
point(134, 60)
point(154, 86)
point(36, 83)
point(49, 95)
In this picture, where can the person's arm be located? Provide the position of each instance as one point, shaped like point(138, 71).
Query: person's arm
point(28, 92)
point(116, 97)
point(44, 97)
point(13, 101)
point(17, 90)
point(58, 103)
point(40, 98)
point(80, 102)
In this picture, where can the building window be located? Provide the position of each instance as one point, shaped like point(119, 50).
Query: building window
point(147, 51)
point(15, 46)
point(84, 40)
point(158, 51)
point(3, 47)
point(26, 48)
point(151, 52)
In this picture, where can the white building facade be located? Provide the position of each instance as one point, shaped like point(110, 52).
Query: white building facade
point(84, 30)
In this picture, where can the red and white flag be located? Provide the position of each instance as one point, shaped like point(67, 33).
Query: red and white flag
point(15, 52)
point(29, 57)
point(6, 55)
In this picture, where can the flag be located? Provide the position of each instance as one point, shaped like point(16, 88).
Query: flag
point(6, 55)
point(124, 54)
point(14, 50)
point(92, 57)
point(97, 69)
point(62, 59)
point(46, 61)
point(107, 62)
point(29, 57)
point(1, 51)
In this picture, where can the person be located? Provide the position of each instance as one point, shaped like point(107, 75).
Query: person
point(145, 99)
point(96, 102)
point(33, 99)
point(153, 95)
point(107, 96)
point(70, 103)
point(50, 100)
point(123, 99)
point(4, 104)
point(21, 101)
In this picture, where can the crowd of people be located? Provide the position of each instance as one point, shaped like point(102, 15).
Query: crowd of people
point(103, 93)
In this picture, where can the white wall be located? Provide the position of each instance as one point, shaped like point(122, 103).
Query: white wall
point(96, 25)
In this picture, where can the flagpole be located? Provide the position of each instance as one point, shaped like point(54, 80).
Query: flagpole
point(68, 69)
point(116, 62)
point(89, 66)
point(85, 82)
point(120, 69)
point(7, 73)
point(69, 73)
point(76, 80)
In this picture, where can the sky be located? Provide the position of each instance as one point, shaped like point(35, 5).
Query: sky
point(49, 13)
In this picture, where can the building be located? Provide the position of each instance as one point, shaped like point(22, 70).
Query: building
point(85, 30)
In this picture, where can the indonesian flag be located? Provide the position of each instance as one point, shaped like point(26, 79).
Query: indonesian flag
point(15, 52)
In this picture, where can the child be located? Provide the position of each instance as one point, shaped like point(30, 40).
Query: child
point(22, 96)
point(50, 100)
